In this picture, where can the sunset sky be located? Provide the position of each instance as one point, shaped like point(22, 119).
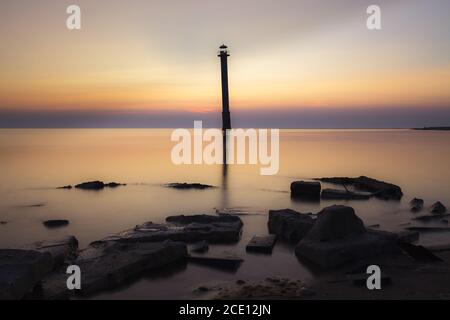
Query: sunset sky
point(294, 63)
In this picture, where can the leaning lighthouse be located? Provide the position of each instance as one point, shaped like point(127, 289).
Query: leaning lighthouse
point(226, 119)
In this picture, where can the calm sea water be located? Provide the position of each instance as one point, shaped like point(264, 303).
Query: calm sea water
point(34, 162)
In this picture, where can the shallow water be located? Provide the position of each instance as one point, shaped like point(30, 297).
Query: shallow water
point(34, 162)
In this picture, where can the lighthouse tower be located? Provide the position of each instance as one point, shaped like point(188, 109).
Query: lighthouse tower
point(226, 120)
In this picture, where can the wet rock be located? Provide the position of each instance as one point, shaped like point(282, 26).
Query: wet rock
point(379, 189)
point(97, 185)
point(408, 236)
point(214, 229)
point(66, 187)
point(419, 253)
point(200, 247)
point(56, 223)
point(289, 225)
point(220, 261)
point(21, 270)
point(431, 217)
point(60, 250)
point(262, 244)
point(109, 264)
point(438, 208)
point(334, 194)
point(187, 186)
point(429, 229)
point(305, 189)
point(339, 236)
point(416, 204)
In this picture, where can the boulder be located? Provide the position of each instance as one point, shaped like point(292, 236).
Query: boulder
point(438, 208)
point(109, 264)
point(56, 223)
point(215, 229)
point(339, 236)
point(289, 225)
point(187, 186)
point(97, 185)
point(379, 189)
point(21, 270)
point(336, 223)
point(306, 189)
point(335, 194)
point(416, 204)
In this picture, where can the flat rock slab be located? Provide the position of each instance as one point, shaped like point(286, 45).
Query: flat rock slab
point(289, 225)
point(60, 250)
point(225, 261)
point(429, 229)
point(56, 223)
point(335, 194)
point(427, 218)
point(262, 244)
point(97, 185)
point(189, 186)
point(214, 229)
point(379, 189)
point(108, 264)
point(408, 236)
point(21, 270)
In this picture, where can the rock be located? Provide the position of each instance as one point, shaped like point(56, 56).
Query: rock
point(305, 189)
point(187, 186)
point(200, 247)
point(20, 271)
point(3, 222)
point(428, 229)
point(335, 194)
point(109, 264)
point(224, 261)
point(408, 236)
point(262, 244)
point(56, 223)
point(215, 229)
point(60, 250)
point(97, 185)
point(419, 253)
point(416, 204)
point(66, 187)
point(379, 189)
point(438, 208)
point(289, 225)
point(339, 236)
point(431, 217)
point(336, 223)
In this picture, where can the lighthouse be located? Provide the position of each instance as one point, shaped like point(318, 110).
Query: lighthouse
point(226, 120)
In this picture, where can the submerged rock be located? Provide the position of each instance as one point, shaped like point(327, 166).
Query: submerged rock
point(438, 208)
point(219, 261)
point(431, 217)
point(339, 236)
point(97, 185)
point(186, 186)
point(379, 189)
point(21, 270)
point(336, 194)
point(56, 223)
point(416, 204)
point(66, 187)
point(306, 189)
point(262, 244)
point(215, 229)
point(289, 225)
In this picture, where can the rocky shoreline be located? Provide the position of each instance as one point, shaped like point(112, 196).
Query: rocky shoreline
point(334, 239)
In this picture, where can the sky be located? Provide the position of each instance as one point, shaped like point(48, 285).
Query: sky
point(293, 63)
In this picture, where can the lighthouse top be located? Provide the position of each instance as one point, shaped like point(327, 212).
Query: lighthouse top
point(223, 51)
